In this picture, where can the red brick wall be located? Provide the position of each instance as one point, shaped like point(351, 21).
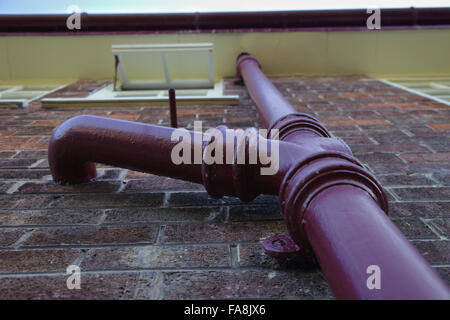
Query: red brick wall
point(140, 236)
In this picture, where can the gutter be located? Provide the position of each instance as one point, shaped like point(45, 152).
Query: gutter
point(263, 21)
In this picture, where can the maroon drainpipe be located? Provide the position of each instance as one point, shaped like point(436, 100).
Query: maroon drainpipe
point(332, 206)
point(173, 108)
point(338, 210)
point(80, 142)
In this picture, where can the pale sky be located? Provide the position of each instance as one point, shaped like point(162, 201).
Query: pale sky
point(154, 6)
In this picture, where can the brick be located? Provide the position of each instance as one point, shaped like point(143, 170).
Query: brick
point(378, 105)
point(91, 235)
point(143, 215)
point(414, 228)
point(440, 126)
point(363, 122)
point(200, 111)
point(46, 123)
point(156, 183)
point(93, 286)
point(423, 209)
point(16, 163)
point(422, 193)
point(255, 212)
point(426, 157)
point(442, 225)
point(444, 272)
point(428, 167)
point(51, 187)
point(351, 141)
point(408, 105)
point(196, 199)
point(34, 131)
point(244, 284)
point(6, 201)
point(24, 146)
point(16, 201)
point(404, 180)
point(136, 175)
point(16, 174)
point(437, 144)
point(6, 154)
point(50, 217)
point(377, 157)
point(4, 133)
point(222, 232)
point(5, 186)
point(129, 117)
point(14, 139)
point(442, 177)
point(388, 148)
point(354, 94)
point(389, 168)
point(14, 261)
point(421, 131)
point(31, 154)
point(10, 236)
point(108, 200)
point(148, 257)
point(436, 252)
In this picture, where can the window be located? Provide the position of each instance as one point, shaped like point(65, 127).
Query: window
point(144, 73)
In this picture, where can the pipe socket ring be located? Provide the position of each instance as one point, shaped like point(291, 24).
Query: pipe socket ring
point(296, 122)
point(307, 179)
point(237, 182)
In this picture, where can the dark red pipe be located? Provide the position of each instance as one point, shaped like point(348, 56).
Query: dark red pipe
point(173, 108)
point(80, 142)
point(333, 206)
point(349, 232)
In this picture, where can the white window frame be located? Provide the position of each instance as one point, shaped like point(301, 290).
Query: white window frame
point(24, 97)
point(163, 50)
point(436, 91)
point(107, 97)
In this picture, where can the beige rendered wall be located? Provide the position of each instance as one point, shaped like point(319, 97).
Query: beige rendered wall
point(378, 53)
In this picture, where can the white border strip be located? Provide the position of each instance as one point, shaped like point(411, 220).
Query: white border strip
point(393, 84)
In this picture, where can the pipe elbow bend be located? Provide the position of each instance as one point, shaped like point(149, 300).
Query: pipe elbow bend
point(66, 153)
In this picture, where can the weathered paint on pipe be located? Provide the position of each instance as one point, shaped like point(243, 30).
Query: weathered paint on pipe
point(333, 207)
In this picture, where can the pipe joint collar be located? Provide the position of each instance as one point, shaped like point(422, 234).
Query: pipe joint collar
point(245, 58)
point(306, 179)
point(298, 122)
point(233, 179)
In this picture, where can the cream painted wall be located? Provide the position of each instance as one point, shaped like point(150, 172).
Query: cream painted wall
point(386, 53)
